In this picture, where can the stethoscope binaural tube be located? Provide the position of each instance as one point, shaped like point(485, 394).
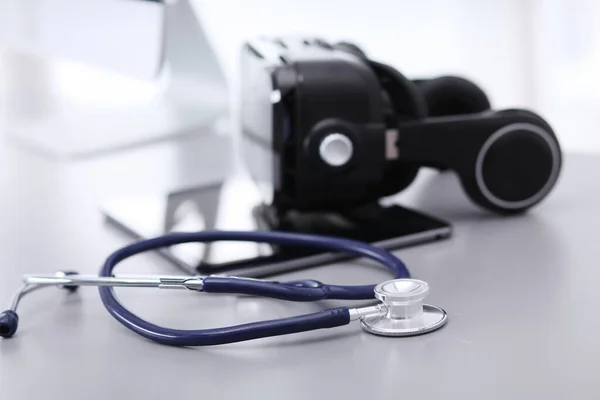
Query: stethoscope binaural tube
point(293, 291)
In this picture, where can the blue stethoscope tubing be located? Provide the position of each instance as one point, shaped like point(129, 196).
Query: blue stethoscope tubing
point(308, 290)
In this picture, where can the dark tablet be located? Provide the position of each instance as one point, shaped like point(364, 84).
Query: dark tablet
point(232, 205)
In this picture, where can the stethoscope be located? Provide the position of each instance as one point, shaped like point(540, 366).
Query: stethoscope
point(400, 311)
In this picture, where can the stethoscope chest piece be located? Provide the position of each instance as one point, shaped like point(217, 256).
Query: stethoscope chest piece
point(406, 315)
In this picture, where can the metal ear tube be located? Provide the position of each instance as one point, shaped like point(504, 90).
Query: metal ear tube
point(71, 281)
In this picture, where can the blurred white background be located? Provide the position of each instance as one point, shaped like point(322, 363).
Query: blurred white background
point(537, 54)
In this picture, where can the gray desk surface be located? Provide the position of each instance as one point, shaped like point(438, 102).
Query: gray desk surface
point(522, 295)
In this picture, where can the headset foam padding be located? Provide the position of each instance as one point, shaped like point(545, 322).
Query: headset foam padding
point(452, 95)
point(407, 100)
point(407, 104)
point(350, 48)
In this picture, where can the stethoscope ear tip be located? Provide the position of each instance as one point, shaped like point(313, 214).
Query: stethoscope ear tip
point(9, 322)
